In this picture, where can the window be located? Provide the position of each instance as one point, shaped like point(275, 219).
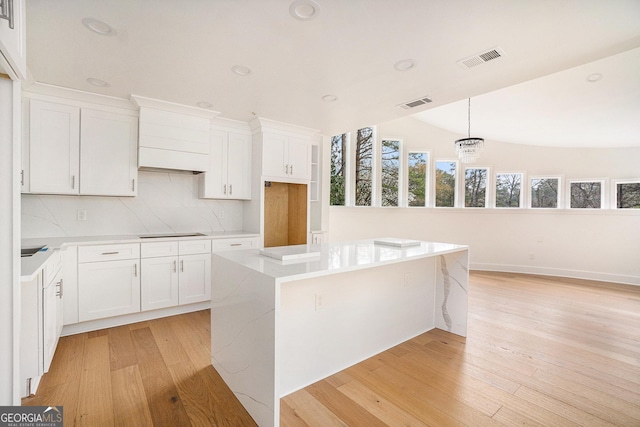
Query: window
point(628, 195)
point(417, 179)
point(585, 195)
point(508, 190)
point(475, 187)
point(338, 170)
point(364, 166)
point(390, 172)
point(446, 183)
point(544, 192)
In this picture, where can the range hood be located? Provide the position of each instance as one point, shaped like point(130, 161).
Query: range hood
point(172, 136)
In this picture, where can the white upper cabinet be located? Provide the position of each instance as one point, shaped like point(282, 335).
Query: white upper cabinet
point(54, 149)
point(74, 150)
point(229, 172)
point(286, 156)
point(13, 49)
point(108, 158)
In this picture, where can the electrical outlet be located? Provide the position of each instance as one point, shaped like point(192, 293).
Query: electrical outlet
point(532, 255)
point(82, 215)
point(221, 214)
point(408, 279)
point(319, 301)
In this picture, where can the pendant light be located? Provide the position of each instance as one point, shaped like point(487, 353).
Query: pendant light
point(468, 149)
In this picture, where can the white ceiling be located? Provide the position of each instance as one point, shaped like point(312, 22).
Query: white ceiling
point(183, 52)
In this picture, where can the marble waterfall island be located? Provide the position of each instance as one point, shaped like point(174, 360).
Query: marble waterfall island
point(281, 322)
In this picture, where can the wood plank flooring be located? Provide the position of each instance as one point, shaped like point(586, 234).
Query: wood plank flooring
point(540, 351)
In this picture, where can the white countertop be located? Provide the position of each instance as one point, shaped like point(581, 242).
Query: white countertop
point(30, 266)
point(336, 258)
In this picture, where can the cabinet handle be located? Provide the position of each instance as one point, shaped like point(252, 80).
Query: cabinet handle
point(291, 169)
point(224, 191)
point(60, 288)
point(135, 270)
point(286, 169)
point(133, 184)
point(230, 189)
point(182, 265)
point(110, 253)
point(73, 182)
point(7, 11)
point(22, 177)
point(236, 244)
point(175, 266)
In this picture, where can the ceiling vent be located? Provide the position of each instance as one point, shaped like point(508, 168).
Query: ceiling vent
point(481, 58)
point(416, 103)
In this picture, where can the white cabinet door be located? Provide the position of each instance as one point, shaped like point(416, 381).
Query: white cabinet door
point(50, 321)
point(159, 282)
point(108, 288)
point(30, 338)
point(213, 181)
point(13, 40)
point(299, 158)
point(108, 155)
point(195, 278)
point(54, 131)
point(239, 166)
point(274, 155)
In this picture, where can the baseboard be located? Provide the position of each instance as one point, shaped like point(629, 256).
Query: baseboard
point(559, 272)
point(94, 325)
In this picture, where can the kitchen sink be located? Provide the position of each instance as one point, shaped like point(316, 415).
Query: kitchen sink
point(27, 252)
point(159, 236)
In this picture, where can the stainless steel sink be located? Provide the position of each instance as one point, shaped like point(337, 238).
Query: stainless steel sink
point(159, 236)
point(27, 252)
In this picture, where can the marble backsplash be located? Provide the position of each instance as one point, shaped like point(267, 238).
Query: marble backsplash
point(166, 203)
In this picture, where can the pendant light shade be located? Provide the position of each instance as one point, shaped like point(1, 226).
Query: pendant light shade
point(468, 149)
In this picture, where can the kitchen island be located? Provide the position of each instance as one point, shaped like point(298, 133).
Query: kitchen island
point(288, 317)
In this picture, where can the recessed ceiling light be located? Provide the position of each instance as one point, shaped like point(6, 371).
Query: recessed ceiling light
point(304, 10)
point(98, 82)
point(592, 78)
point(404, 65)
point(241, 70)
point(329, 98)
point(99, 27)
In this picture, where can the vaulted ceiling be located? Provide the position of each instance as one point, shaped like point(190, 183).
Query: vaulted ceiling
point(184, 52)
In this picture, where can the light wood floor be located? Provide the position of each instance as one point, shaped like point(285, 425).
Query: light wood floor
point(539, 352)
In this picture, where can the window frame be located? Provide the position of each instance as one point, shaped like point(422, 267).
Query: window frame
point(456, 185)
point(352, 168)
point(347, 173)
point(487, 187)
point(614, 192)
point(522, 203)
point(428, 179)
point(603, 199)
point(559, 198)
point(378, 178)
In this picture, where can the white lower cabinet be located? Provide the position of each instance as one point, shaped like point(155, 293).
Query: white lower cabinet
point(175, 273)
point(195, 278)
point(110, 287)
point(159, 282)
point(41, 323)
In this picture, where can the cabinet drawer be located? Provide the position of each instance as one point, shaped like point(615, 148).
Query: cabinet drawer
point(188, 247)
point(158, 249)
point(52, 267)
point(108, 252)
point(234, 244)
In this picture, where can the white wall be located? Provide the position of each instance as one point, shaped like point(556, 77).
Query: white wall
point(167, 202)
point(597, 244)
